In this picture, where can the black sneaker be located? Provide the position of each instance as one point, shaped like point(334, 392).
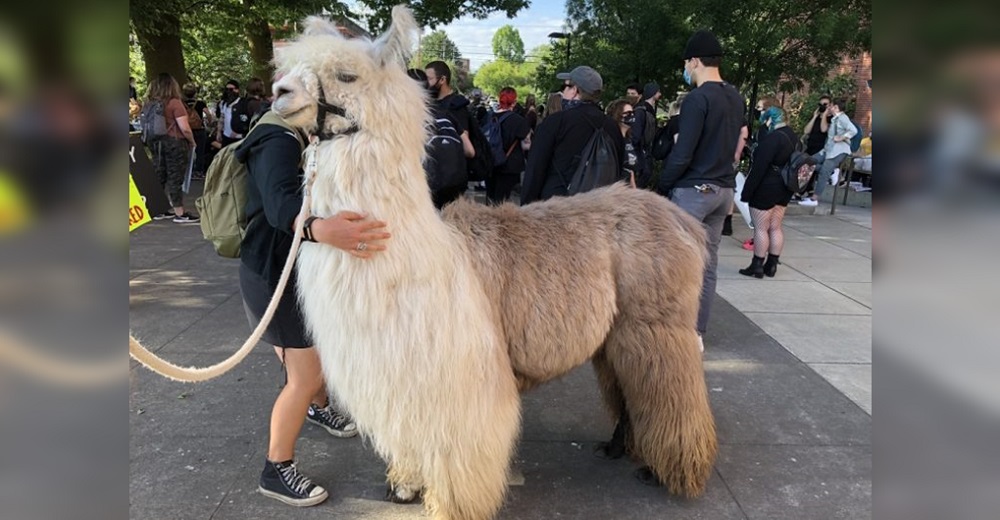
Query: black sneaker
point(164, 216)
point(338, 424)
point(186, 218)
point(282, 481)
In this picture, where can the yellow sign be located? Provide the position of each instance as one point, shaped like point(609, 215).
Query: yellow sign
point(137, 213)
point(14, 212)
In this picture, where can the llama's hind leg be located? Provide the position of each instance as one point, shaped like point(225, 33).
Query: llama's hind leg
point(660, 373)
point(613, 399)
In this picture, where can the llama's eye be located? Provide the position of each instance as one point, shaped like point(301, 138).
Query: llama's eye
point(344, 77)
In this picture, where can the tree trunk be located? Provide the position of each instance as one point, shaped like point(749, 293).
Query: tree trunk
point(161, 48)
point(261, 49)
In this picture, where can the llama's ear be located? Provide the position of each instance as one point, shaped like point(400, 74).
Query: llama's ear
point(315, 25)
point(396, 44)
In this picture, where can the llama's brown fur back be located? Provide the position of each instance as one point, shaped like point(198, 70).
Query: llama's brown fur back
point(613, 276)
point(592, 256)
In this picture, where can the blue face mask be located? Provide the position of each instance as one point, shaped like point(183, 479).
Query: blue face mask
point(687, 76)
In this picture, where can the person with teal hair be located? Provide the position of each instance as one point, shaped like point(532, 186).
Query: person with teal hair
point(765, 190)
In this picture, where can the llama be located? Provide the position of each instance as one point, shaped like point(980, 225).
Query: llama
point(429, 344)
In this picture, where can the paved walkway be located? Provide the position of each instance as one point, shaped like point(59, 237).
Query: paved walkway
point(819, 306)
point(792, 445)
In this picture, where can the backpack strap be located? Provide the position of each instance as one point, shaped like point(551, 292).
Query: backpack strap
point(500, 121)
point(270, 118)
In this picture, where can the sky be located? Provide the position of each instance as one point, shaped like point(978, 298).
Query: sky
point(474, 37)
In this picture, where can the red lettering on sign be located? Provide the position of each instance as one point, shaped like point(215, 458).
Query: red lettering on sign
point(135, 214)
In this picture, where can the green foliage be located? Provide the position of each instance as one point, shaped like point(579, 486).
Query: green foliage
point(437, 46)
point(507, 44)
point(800, 109)
point(777, 44)
point(495, 75)
point(136, 67)
point(214, 34)
point(432, 13)
point(215, 51)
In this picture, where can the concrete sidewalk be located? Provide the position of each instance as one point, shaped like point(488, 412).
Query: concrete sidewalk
point(819, 306)
point(792, 445)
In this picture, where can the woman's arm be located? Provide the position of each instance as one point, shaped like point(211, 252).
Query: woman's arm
point(347, 230)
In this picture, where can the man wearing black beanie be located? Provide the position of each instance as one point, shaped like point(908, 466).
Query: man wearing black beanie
point(699, 175)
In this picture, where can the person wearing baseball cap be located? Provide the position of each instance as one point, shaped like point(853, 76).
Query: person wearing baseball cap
point(699, 175)
point(561, 137)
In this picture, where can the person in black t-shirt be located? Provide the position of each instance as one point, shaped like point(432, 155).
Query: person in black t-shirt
point(817, 127)
point(514, 132)
point(699, 175)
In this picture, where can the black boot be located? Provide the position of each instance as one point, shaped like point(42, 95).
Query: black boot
point(771, 266)
point(756, 268)
point(727, 226)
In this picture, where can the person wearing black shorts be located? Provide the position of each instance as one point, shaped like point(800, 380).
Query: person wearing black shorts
point(272, 154)
point(765, 191)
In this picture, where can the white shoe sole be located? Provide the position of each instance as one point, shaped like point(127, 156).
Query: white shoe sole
point(331, 431)
point(297, 502)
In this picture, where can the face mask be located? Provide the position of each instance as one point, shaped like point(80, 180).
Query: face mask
point(629, 119)
point(763, 115)
point(687, 76)
point(570, 103)
point(436, 87)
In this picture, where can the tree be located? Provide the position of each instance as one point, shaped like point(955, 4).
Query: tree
point(431, 13)
point(437, 46)
point(495, 75)
point(167, 31)
point(767, 42)
point(157, 30)
point(507, 44)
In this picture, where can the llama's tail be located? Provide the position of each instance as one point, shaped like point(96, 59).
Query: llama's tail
point(678, 439)
point(673, 430)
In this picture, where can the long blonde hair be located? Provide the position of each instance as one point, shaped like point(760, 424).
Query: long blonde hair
point(164, 88)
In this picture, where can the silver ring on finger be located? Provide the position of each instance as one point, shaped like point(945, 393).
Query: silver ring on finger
point(362, 246)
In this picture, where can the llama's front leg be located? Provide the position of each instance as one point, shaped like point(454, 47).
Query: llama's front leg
point(404, 485)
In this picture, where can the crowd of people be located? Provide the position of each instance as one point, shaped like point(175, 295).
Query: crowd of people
point(195, 130)
point(499, 144)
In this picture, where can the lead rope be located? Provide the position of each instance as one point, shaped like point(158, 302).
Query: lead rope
point(193, 374)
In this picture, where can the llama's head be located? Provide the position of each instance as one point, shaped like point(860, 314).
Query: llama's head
point(330, 84)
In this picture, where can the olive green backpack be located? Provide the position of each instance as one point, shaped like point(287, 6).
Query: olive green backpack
point(223, 203)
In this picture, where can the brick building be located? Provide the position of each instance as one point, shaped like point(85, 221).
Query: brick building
point(860, 69)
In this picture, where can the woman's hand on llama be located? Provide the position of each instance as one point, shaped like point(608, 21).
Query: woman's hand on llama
point(351, 232)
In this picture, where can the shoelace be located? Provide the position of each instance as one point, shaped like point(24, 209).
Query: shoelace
point(336, 420)
point(297, 482)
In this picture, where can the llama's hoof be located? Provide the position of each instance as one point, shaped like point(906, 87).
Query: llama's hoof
point(609, 450)
point(401, 495)
point(646, 476)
